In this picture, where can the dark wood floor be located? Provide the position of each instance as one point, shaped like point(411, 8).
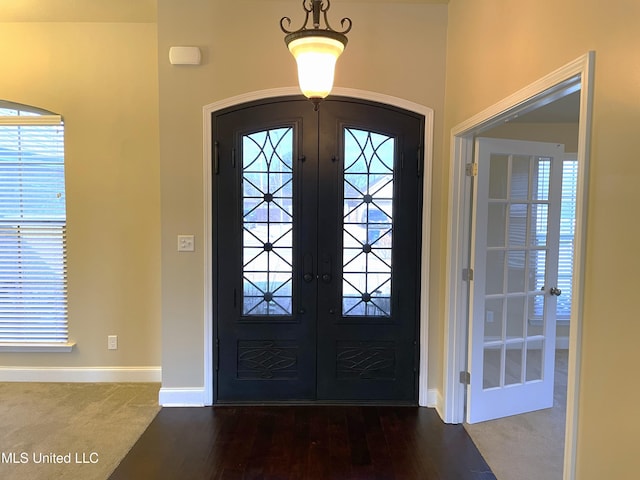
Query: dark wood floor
point(303, 442)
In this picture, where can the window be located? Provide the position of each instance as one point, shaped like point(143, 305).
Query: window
point(567, 232)
point(33, 271)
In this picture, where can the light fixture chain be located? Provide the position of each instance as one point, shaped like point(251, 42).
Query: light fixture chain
point(317, 7)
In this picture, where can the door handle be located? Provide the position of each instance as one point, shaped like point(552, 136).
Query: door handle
point(555, 291)
point(326, 268)
point(307, 268)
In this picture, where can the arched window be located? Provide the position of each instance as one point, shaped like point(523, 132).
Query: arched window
point(33, 266)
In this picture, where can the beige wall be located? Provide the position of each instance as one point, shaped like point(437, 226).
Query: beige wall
point(95, 64)
point(244, 51)
point(502, 46)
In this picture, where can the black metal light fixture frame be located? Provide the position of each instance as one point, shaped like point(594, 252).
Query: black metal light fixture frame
point(316, 10)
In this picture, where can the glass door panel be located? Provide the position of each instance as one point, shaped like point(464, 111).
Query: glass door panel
point(267, 222)
point(523, 214)
point(368, 223)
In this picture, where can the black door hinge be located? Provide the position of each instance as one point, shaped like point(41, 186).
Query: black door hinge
point(216, 158)
point(217, 354)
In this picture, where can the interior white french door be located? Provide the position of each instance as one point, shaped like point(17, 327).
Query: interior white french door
point(514, 291)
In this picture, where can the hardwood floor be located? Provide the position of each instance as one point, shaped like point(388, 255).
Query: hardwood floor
point(303, 442)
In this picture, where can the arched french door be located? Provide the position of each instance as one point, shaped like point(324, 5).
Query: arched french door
point(316, 248)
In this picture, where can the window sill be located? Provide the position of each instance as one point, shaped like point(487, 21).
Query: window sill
point(561, 322)
point(36, 347)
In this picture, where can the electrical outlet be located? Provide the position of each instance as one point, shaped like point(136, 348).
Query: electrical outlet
point(490, 316)
point(112, 342)
point(186, 243)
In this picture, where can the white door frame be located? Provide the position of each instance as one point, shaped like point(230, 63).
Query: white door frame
point(571, 77)
point(425, 398)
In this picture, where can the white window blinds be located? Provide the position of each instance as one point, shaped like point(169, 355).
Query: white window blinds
point(33, 271)
point(567, 233)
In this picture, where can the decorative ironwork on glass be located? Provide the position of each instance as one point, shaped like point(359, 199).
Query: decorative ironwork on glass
point(267, 222)
point(368, 223)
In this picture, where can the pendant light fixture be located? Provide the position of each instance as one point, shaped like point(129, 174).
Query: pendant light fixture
point(316, 49)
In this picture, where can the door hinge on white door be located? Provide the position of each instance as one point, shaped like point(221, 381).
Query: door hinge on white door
point(467, 274)
point(465, 378)
point(471, 169)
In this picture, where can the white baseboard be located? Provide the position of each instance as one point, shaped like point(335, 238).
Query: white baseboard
point(195, 397)
point(81, 374)
point(182, 397)
point(435, 400)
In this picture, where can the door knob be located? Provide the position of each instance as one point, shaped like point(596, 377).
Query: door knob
point(555, 291)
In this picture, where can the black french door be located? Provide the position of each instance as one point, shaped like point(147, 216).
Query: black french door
point(316, 245)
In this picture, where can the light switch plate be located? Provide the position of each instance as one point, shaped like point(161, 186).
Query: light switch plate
point(186, 243)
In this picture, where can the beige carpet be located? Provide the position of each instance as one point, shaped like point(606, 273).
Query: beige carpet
point(71, 430)
point(529, 446)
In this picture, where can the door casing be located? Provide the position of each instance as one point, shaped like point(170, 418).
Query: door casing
point(425, 397)
point(571, 77)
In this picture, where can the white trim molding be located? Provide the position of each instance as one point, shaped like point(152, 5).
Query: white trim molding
point(576, 75)
point(48, 347)
point(435, 400)
point(81, 374)
point(182, 397)
point(35, 120)
point(207, 110)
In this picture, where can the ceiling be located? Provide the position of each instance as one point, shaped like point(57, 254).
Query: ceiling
point(563, 110)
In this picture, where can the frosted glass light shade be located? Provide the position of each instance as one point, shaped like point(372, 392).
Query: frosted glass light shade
point(316, 58)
